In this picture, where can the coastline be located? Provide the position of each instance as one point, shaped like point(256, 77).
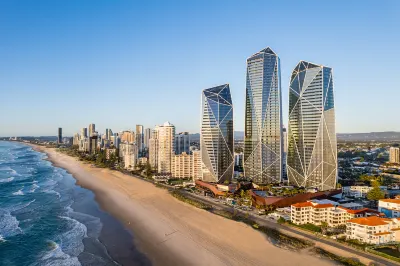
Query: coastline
point(170, 232)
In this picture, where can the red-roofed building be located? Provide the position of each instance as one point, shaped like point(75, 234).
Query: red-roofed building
point(373, 230)
point(316, 213)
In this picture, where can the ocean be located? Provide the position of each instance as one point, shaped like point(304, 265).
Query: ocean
point(46, 219)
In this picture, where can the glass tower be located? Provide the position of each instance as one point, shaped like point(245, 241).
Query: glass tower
point(263, 118)
point(216, 139)
point(312, 151)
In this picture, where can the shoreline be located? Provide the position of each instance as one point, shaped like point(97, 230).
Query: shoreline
point(170, 232)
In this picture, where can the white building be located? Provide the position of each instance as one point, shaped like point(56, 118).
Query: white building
point(373, 230)
point(128, 153)
point(166, 144)
point(356, 191)
point(315, 213)
point(390, 207)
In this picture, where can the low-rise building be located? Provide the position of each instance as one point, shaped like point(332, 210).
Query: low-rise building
point(142, 160)
point(316, 213)
point(110, 152)
point(356, 191)
point(373, 230)
point(390, 207)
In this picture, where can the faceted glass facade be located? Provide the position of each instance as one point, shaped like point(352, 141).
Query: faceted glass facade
point(216, 139)
point(263, 119)
point(312, 151)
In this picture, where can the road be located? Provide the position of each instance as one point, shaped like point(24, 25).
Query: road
point(264, 222)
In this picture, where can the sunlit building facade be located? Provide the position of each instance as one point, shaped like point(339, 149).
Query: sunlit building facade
point(263, 119)
point(216, 137)
point(312, 150)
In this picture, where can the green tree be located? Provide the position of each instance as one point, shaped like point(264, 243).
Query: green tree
point(148, 170)
point(324, 227)
point(281, 220)
point(375, 193)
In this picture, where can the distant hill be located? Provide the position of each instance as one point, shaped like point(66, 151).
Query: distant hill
point(372, 136)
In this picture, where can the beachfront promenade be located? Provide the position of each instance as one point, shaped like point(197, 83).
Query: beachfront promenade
point(322, 242)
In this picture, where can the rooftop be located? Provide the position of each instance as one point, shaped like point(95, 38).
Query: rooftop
point(370, 221)
point(391, 200)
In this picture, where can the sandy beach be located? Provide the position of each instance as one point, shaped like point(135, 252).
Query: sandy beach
point(170, 232)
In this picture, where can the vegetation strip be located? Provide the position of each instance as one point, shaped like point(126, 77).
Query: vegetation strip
point(343, 260)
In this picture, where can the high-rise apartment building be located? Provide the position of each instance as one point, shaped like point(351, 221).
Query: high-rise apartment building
point(59, 137)
point(128, 154)
point(312, 150)
point(127, 136)
point(84, 132)
point(93, 142)
point(216, 135)
point(147, 136)
point(263, 118)
point(166, 149)
point(182, 143)
point(109, 134)
point(153, 149)
point(92, 129)
point(394, 155)
point(140, 139)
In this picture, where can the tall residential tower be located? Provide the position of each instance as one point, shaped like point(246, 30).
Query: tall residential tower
point(312, 151)
point(263, 118)
point(216, 135)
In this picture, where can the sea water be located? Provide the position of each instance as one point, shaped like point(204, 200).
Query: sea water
point(38, 223)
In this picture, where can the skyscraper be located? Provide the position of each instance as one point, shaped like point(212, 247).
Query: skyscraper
point(92, 129)
point(263, 118)
point(84, 132)
point(182, 143)
point(394, 155)
point(107, 136)
point(147, 136)
point(216, 135)
point(153, 149)
point(312, 151)
point(59, 138)
point(139, 139)
point(166, 150)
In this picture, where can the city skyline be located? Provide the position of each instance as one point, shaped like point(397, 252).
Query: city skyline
point(84, 63)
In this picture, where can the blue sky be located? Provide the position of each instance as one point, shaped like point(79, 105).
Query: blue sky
point(69, 63)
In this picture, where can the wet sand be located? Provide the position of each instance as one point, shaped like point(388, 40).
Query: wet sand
point(170, 232)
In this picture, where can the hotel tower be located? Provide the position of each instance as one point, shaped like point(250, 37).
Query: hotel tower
point(216, 136)
point(312, 151)
point(263, 118)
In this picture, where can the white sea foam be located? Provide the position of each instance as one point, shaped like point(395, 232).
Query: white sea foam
point(2, 239)
point(93, 224)
point(6, 180)
point(18, 193)
point(56, 256)
point(34, 187)
point(9, 225)
point(50, 191)
point(20, 206)
point(71, 241)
